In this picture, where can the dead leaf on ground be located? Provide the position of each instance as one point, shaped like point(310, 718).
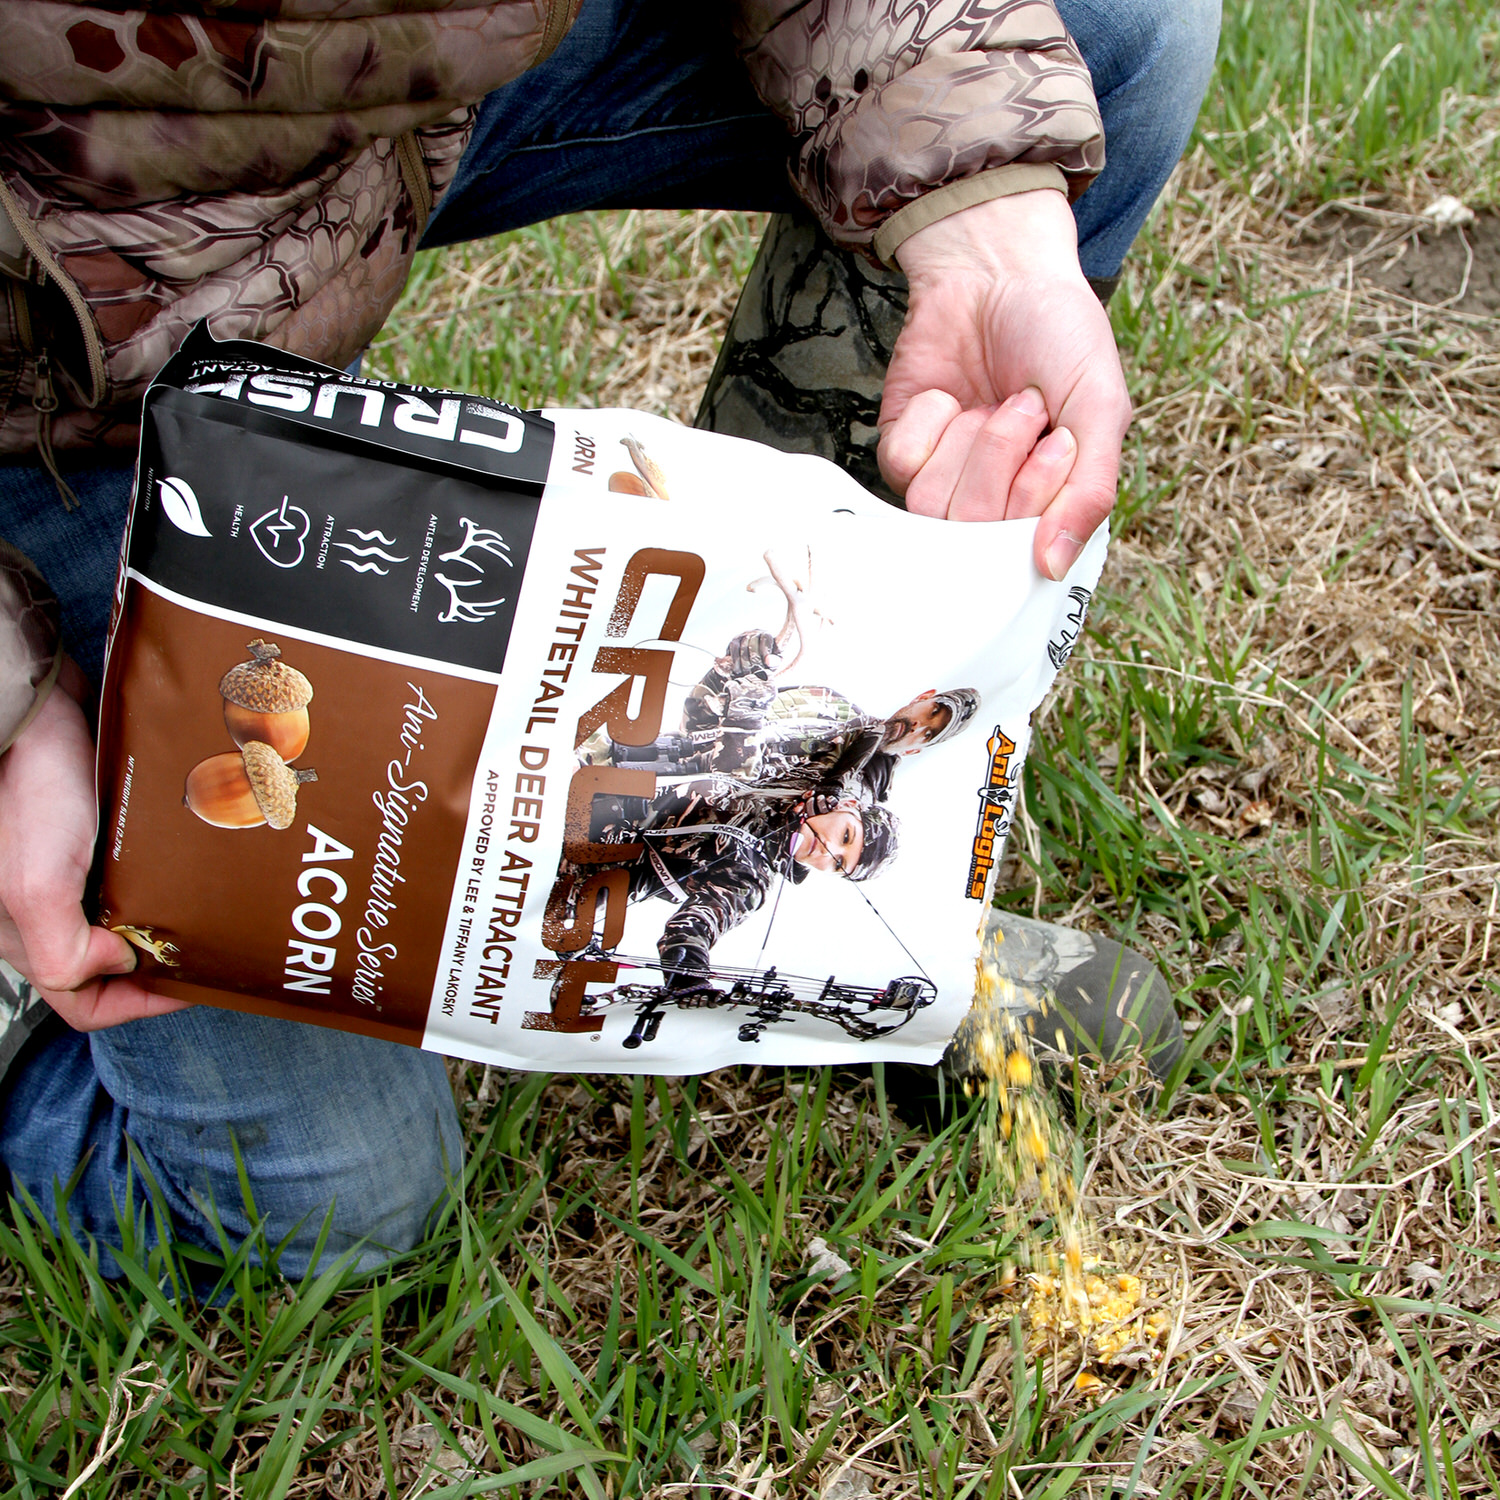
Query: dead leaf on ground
point(849, 1484)
point(1254, 816)
point(1436, 712)
point(1337, 1009)
point(823, 1261)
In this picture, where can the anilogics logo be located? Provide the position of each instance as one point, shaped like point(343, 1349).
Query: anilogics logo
point(997, 799)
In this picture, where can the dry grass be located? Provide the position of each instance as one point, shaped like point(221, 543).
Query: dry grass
point(1346, 454)
point(1330, 483)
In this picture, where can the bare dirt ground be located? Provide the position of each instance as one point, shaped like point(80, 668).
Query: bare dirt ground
point(1457, 268)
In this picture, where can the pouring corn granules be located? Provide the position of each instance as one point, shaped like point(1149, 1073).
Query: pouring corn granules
point(1095, 997)
point(1023, 1133)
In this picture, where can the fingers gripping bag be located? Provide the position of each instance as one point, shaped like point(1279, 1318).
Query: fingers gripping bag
point(558, 740)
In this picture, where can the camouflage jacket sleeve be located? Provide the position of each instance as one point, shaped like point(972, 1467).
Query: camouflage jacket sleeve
point(905, 111)
point(720, 702)
point(30, 643)
point(720, 895)
point(703, 708)
point(266, 164)
point(723, 699)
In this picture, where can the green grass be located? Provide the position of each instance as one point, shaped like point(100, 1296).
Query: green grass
point(463, 1330)
point(1359, 100)
point(543, 316)
point(617, 1303)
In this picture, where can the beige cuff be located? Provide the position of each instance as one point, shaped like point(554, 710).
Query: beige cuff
point(952, 197)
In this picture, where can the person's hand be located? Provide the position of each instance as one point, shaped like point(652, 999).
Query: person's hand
point(47, 817)
point(687, 972)
point(1004, 338)
point(752, 651)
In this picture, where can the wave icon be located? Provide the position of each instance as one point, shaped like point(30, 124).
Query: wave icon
point(369, 552)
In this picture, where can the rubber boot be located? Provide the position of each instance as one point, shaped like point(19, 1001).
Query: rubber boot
point(805, 353)
point(1077, 993)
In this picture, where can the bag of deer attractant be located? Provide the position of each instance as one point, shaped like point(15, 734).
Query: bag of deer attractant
point(560, 740)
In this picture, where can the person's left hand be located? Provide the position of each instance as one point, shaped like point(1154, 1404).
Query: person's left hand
point(1005, 338)
point(48, 817)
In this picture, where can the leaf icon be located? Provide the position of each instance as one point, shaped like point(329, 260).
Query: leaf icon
point(181, 506)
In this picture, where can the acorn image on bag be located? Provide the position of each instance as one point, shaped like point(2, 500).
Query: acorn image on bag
point(245, 789)
point(265, 711)
point(266, 700)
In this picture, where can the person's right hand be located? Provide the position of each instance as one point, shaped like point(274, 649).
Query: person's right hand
point(47, 818)
point(687, 972)
point(1003, 340)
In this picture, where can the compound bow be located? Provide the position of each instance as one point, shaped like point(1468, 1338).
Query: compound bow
point(861, 1011)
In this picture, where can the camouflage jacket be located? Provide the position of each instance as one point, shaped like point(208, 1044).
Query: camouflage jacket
point(715, 851)
point(810, 738)
point(270, 164)
point(866, 774)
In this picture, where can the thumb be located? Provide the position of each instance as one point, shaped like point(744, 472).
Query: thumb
point(63, 952)
point(109, 953)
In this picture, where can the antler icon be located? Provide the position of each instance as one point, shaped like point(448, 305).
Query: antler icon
point(483, 539)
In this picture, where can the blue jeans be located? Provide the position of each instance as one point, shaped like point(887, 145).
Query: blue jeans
point(634, 109)
point(689, 132)
point(321, 1120)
